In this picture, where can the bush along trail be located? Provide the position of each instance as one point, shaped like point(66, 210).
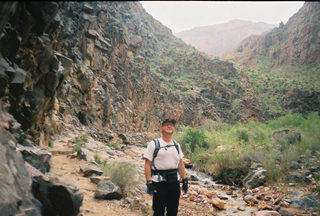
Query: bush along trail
point(111, 176)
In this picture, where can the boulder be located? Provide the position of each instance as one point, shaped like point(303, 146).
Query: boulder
point(85, 154)
point(266, 213)
point(307, 202)
point(108, 191)
point(15, 181)
point(217, 203)
point(90, 169)
point(255, 178)
point(36, 156)
point(250, 199)
point(295, 165)
point(98, 179)
point(290, 211)
point(58, 195)
point(295, 177)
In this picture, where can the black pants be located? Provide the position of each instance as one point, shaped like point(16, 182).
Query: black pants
point(167, 196)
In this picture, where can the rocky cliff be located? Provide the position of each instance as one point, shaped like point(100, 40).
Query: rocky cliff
point(296, 42)
point(109, 66)
point(219, 38)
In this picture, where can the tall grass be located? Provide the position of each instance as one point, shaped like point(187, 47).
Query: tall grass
point(274, 144)
point(123, 174)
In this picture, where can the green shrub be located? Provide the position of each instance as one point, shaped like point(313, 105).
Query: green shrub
point(50, 143)
point(193, 139)
point(270, 164)
point(113, 145)
point(290, 120)
point(123, 174)
point(97, 159)
point(243, 135)
point(311, 128)
point(80, 142)
point(254, 140)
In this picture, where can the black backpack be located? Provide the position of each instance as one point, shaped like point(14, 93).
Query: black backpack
point(157, 148)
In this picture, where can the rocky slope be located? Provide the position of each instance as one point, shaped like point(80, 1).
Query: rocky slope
point(284, 63)
point(296, 42)
point(219, 38)
point(106, 65)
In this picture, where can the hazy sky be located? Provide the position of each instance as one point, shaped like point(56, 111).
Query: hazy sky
point(184, 15)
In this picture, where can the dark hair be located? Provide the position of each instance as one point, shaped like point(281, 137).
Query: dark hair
point(170, 121)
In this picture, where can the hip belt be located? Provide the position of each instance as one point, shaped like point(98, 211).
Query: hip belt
point(169, 175)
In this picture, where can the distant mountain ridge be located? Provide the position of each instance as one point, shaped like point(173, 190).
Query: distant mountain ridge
point(219, 38)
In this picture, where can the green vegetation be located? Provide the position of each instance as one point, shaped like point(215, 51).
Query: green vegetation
point(97, 159)
point(113, 145)
point(50, 143)
point(80, 142)
point(193, 139)
point(275, 144)
point(271, 85)
point(122, 174)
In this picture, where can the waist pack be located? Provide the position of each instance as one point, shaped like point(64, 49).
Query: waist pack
point(168, 175)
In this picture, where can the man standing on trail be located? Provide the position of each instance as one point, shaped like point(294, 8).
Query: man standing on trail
point(163, 169)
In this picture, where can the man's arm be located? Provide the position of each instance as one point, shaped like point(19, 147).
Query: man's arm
point(182, 170)
point(147, 169)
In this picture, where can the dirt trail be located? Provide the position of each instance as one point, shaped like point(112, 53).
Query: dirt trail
point(66, 166)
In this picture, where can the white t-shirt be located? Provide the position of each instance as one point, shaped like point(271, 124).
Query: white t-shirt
point(167, 157)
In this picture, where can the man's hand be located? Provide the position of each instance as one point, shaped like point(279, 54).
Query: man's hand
point(150, 187)
point(185, 185)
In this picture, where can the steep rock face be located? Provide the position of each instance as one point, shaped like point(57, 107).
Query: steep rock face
point(296, 42)
point(107, 65)
point(15, 187)
point(119, 83)
point(219, 38)
point(30, 67)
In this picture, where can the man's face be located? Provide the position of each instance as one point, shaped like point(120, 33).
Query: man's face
point(167, 128)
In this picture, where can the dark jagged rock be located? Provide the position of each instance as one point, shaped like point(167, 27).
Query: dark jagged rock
point(10, 43)
point(255, 178)
point(108, 191)
point(303, 101)
point(307, 202)
point(295, 177)
point(90, 169)
point(38, 158)
point(58, 195)
point(15, 188)
point(295, 165)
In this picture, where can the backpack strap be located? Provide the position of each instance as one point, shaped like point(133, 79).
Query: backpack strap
point(155, 152)
point(176, 145)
